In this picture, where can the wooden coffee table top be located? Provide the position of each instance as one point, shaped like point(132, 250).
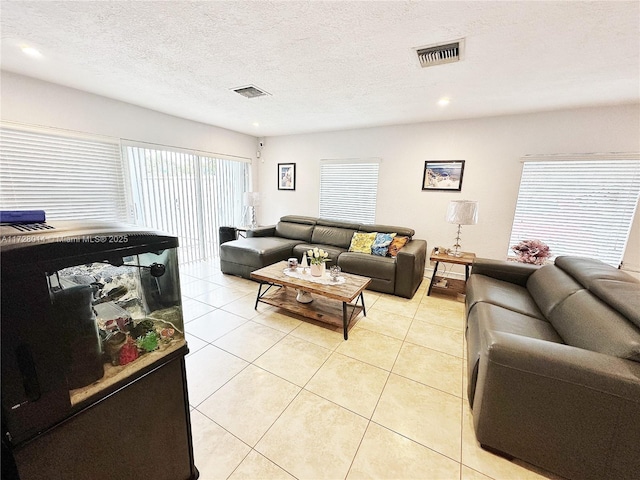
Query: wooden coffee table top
point(345, 292)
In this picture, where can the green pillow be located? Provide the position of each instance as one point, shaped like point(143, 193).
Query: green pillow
point(362, 242)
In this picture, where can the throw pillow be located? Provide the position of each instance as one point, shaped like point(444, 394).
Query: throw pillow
point(396, 244)
point(381, 246)
point(362, 242)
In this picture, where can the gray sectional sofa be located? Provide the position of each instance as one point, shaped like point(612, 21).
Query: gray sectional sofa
point(554, 365)
point(293, 235)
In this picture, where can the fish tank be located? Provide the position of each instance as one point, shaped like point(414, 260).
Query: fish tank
point(87, 309)
point(116, 320)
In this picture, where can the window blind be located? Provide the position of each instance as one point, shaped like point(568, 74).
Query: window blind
point(349, 190)
point(582, 207)
point(188, 195)
point(69, 178)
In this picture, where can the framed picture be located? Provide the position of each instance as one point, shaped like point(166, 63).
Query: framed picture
point(286, 176)
point(443, 175)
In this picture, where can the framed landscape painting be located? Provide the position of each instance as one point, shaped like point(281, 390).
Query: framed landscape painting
point(443, 175)
point(286, 176)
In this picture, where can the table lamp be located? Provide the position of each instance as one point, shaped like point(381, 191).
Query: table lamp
point(462, 212)
point(251, 200)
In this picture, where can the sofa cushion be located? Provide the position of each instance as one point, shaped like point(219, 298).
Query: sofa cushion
point(396, 244)
point(624, 296)
point(586, 271)
point(294, 231)
point(361, 242)
point(481, 288)
point(337, 223)
point(549, 286)
point(299, 219)
point(585, 321)
point(326, 235)
point(401, 231)
point(368, 265)
point(611, 285)
point(333, 251)
point(381, 245)
point(488, 316)
point(257, 251)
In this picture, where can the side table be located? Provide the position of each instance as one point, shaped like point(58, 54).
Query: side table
point(453, 285)
point(242, 230)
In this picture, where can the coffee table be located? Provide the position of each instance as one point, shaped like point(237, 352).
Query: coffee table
point(281, 291)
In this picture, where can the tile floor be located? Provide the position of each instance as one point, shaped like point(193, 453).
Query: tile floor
point(276, 397)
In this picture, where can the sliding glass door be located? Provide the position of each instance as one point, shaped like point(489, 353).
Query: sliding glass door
point(186, 194)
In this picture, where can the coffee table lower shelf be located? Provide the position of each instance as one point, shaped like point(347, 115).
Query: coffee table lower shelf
point(321, 309)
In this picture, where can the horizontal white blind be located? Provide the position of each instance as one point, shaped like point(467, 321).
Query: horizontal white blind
point(349, 190)
point(69, 178)
point(578, 207)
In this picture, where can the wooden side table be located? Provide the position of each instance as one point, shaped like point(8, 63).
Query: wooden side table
point(453, 285)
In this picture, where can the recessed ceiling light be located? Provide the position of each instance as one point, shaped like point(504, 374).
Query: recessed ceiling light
point(32, 52)
point(443, 102)
point(255, 124)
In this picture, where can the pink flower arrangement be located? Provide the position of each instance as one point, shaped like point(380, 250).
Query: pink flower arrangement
point(532, 251)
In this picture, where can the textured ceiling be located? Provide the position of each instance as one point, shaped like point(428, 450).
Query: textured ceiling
point(330, 65)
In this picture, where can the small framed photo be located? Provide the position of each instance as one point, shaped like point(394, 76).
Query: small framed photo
point(286, 176)
point(443, 175)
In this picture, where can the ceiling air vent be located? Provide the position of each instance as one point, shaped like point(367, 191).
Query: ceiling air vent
point(250, 91)
point(439, 54)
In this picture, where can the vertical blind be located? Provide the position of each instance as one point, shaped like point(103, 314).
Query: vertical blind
point(69, 178)
point(580, 206)
point(349, 190)
point(187, 195)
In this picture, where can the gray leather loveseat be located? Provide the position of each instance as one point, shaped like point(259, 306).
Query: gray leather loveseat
point(293, 235)
point(554, 365)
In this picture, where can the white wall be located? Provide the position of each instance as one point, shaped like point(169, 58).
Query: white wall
point(34, 102)
point(492, 148)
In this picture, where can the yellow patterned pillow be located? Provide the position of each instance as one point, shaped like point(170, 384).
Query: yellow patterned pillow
point(362, 242)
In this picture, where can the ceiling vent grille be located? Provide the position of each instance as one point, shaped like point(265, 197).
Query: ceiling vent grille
point(439, 54)
point(250, 91)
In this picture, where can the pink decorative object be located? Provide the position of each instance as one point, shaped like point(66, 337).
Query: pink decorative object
point(532, 251)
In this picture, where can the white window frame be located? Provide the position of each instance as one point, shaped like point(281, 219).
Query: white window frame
point(582, 204)
point(349, 189)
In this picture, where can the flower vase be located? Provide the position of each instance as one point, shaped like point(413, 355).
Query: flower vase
point(317, 270)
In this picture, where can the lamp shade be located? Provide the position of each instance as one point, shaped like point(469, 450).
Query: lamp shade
point(251, 199)
point(463, 212)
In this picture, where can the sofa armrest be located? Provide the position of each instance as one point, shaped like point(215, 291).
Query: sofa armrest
point(572, 411)
point(268, 231)
point(410, 263)
point(513, 272)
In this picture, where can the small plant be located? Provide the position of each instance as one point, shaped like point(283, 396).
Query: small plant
point(532, 251)
point(317, 256)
